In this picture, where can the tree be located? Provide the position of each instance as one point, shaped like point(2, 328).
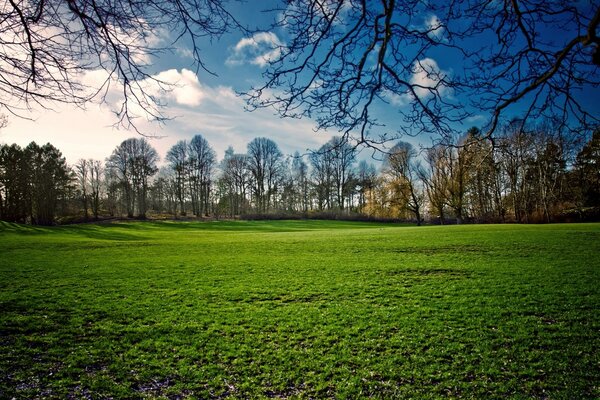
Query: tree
point(346, 59)
point(201, 162)
point(14, 184)
point(436, 179)
point(366, 175)
point(178, 160)
point(133, 162)
point(49, 178)
point(343, 58)
point(163, 192)
point(516, 152)
point(82, 172)
point(548, 170)
point(235, 176)
point(300, 181)
point(480, 171)
point(343, 157)
point(588, 168)
point(95, 181)
point(461, 165)
point(321, 162)
point(264, 163)
point(404, 172)
point(48, 45)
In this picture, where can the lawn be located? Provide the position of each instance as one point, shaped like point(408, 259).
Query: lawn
point(297, 309)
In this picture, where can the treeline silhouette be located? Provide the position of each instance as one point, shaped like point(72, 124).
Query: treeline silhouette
point(525, 175)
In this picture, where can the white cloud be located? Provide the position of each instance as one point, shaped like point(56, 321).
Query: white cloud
point(259, 49)
point(476, 119)
point(398, 100)
point(221, 119)
point(172, 87)
point(428, 78)
point(184, 52)
point(217, 114)
point(434, 28)
point(184, 87)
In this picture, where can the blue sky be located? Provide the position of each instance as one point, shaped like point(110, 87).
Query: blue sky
point(207, 104)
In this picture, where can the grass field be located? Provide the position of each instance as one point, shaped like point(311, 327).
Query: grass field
point(295, 309)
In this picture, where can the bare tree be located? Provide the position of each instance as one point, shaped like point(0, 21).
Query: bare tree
point(95, 181)
point(82, 172)
point(201, 163)
point(436, 179)
point(321, 162)
point(404, 172)
point(46, 47)
point(133, 162)
point(343, 157)
point(346, 59)
point(264, 162)
point(516, 152)
point(343, 59)
point(235, 176)
point(300, 181)
point(178, 160)
point(366, 175)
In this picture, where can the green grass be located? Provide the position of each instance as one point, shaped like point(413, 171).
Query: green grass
point(296, 309)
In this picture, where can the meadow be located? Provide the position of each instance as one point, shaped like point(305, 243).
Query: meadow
point(299, 309)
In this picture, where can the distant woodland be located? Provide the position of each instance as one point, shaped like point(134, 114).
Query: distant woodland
point(524, 175)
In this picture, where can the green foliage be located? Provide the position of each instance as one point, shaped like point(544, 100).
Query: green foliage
point(299, 309)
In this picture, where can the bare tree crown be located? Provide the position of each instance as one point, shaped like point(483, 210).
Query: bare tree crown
point(48, 46)
point(346, 59)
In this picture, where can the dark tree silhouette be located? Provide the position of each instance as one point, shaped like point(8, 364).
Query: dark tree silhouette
point(133, 163)
point(14, 184)
point(201, 162)
point(265, 163)
point(588, 168)
point(178, 160)
point(346, 59)
point(45, 46)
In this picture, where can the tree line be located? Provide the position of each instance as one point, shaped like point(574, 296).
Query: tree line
point(525, 175)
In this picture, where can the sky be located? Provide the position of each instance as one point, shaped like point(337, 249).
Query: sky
point(203, 103)
point(200, 103)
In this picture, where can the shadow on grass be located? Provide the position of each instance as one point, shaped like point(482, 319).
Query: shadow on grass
point(261, 226)
point(144, 230)
point(91, 231)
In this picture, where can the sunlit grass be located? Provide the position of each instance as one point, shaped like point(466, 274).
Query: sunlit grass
point(300, 309)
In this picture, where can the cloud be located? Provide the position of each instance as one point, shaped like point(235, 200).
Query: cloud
point(221, 119)
point(259, 49)
point(434, 28)
point(215, 112)
point(184, 87)
point(184, 53)
point(140, 40)
point(476, 119)
point(428, 79)
point(398, 100)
